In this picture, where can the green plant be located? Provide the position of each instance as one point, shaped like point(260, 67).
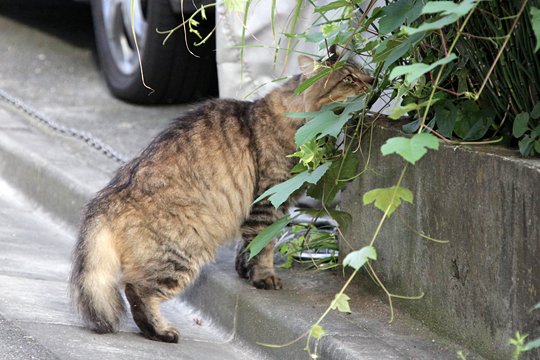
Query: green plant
point(518, 341)
point(418, 52)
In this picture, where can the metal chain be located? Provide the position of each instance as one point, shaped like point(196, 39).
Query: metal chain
point(84, 136)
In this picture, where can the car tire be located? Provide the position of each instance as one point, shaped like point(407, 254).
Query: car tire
point(175, 75)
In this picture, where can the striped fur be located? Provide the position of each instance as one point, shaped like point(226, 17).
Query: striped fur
point(165, 213)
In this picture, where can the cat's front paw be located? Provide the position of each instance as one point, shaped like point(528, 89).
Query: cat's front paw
point(266, 280)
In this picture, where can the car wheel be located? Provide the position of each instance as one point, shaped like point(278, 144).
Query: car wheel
point(175, 75)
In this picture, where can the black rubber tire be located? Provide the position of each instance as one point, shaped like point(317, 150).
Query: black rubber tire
point(176, 75)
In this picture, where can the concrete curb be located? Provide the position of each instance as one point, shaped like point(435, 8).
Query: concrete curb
point(61, 174)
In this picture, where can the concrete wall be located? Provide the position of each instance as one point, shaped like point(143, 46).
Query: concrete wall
point(486, 202)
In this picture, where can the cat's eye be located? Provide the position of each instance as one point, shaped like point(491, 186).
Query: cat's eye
point(349, 80)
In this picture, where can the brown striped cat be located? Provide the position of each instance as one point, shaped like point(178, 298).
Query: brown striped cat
point(165, 213)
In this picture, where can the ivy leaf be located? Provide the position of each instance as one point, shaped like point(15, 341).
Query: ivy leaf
point(520, 125)
point(279, 193)
point(265, 236)
point(341, 303)
point(316, 331)
point(535, 21)
point(388, 198)
point(414, 71)
point(412, 149)
point(358, 258)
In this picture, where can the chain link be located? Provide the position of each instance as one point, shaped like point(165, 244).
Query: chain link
point(81, 135)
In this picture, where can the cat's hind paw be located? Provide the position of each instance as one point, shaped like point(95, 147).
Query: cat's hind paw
point(268, 282)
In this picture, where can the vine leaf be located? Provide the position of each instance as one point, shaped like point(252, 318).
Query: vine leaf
point(316, 331)
point(397, 13)
point(388, 198)
point(341, 303)
point(264, 237)
point(327, 122)
point(358, 258)
point(449, 10)
point(235, 5)
point(412, 149)
point(279, 193)
point(312, 80)
point(414, 71)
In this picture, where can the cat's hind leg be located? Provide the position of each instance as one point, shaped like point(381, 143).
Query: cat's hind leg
point(145, 308)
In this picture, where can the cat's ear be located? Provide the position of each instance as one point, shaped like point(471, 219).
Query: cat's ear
point(307, 65)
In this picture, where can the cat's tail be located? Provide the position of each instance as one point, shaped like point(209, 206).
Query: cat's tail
point(95, 279)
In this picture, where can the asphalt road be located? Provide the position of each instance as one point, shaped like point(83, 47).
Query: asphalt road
point(48, 60)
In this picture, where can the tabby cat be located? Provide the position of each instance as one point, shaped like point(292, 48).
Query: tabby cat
point(165, 213)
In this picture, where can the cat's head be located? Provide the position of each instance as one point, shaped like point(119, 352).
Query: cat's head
point(344, 81)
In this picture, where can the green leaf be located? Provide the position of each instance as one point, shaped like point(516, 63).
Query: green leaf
point(450, 10)
point(359, 258)
point(535, 113)
point(399, 13)
point(265, 236)
point(312, 80)
point(399, 111)
point(535, 22)
point(449, 7)
point(532, 345)
point(388, 198)
point(473, 122)
point(311, 154)
point(445, 118)
point(535, 307)
point(344, 219)
point(279, 193)
point(341, 303)
point(537, 146)
point(327, 122)
point(414, 71)
point(526, 145)
point(235, 5)
point(520, 125)
point(411, 149)
point(318, 125)
point(340, 4)
point(316, 331)
point(392, 49)
point(327, 188)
